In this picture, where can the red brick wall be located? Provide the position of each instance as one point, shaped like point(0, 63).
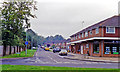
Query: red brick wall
point(112, 35)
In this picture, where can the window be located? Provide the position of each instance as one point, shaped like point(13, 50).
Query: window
point(110, 29)
point(79, 35)
point(96, 47)
point(90, 32)
point(114, 49)
point(119, 50)
point(111, 48)
point(87, 45)
point(107, 50)
point(86, 34)
point(72, 38)
point(97, 30)
point(76, 36)
point(82, 35)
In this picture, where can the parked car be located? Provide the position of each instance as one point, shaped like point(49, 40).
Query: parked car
point(43, 47)
point(50, 47)
point(56, 50)
point(63, 52)
point(68, 50)
point(47, 49)
point(33, 47)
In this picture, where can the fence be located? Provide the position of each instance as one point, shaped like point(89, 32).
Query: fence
point(13, 50)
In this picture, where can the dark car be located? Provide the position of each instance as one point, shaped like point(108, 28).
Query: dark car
point(56, 50)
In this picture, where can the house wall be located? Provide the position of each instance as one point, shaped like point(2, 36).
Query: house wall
point(117, 30)
point(102, 33)
point(90, 49)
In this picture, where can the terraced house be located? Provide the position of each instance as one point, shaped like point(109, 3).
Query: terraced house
point(101, 39)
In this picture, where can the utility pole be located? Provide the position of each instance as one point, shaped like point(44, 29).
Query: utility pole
point(26, 44)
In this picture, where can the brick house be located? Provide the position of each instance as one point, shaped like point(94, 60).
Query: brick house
point(101, 39)
point(61, 44)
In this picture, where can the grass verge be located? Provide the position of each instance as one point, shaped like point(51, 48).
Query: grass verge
point(28, 67)
point(30, 53)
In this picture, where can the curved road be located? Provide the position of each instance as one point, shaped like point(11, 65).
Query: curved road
point(47, 58)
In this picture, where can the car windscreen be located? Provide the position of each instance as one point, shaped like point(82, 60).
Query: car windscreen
point(63, 51)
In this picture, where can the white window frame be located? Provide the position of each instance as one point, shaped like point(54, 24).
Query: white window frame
point(82, 35)
point(72, 38)
point(87, 45)
point(79, 36)
point(86, 34)
point(90, 32)
point(76, 37)
point(109, 27)
point(97, 30)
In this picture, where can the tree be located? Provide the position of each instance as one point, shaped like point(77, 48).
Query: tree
point(15, 19)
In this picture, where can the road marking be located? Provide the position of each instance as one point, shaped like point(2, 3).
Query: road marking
point(59, 62)
point(94, 62)
point(53, 59)
point(75, 63)
point(66, 62)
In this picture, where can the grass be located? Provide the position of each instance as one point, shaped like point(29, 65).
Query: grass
point(0, 42)
point(30, 53)
point(28, 67)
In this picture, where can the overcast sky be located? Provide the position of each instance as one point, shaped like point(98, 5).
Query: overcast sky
point(65, 17)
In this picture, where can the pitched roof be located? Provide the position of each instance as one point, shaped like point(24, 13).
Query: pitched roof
point(113, 21)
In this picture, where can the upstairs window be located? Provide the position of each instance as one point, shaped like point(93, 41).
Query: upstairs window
point(72, 38)
point(86, 34)
point(90, 32)
point(79, 36)
point(110, 29)
point(97, 30)
point(76, 36)
point(82, 35)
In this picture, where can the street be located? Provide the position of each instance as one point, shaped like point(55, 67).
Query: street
point(47, 58)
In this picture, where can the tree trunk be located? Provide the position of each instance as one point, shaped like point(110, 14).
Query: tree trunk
point(23, 48)
point(10, 50)
point(14, 49)
point(17, 48)
point(4, 50)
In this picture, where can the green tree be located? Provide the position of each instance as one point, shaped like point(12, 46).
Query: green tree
point(15, 18)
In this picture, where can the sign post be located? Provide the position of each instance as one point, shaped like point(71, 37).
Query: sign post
point(26, 43)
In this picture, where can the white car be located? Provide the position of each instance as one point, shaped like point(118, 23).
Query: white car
point(33, 47)
point(63, 52)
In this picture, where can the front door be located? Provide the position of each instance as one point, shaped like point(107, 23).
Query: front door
point(81, 49)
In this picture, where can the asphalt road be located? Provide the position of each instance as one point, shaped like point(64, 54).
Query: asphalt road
point(47, 58)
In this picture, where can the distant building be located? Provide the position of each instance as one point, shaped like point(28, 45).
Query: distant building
point(101, 39)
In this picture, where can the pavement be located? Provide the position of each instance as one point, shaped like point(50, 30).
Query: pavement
point(91, 58)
